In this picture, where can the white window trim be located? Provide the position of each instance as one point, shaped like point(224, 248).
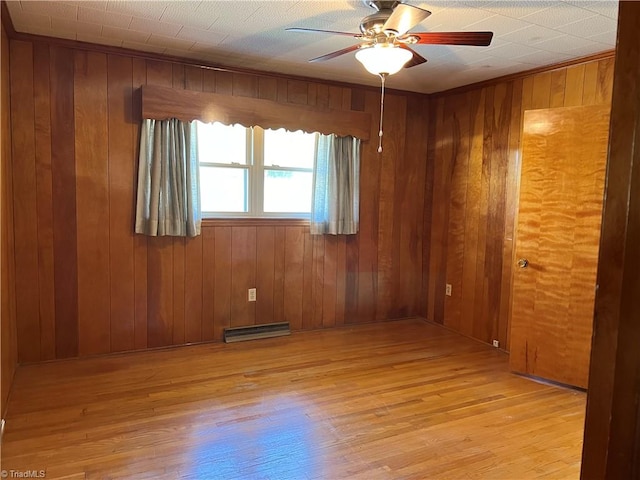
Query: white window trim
point(255, 168)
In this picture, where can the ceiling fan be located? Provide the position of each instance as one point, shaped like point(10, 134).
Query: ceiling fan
point(385, 41)
point(388, 29)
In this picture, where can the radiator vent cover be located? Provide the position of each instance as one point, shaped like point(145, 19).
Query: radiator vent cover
point(252, 332)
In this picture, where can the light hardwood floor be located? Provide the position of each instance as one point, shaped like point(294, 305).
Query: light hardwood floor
point(402, 399)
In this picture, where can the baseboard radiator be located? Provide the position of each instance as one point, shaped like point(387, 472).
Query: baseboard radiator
point(253, 332)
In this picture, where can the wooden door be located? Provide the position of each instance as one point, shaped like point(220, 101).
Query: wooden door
point(564, 153)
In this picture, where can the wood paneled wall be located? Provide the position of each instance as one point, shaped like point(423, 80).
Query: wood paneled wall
point(7, 270)
point(474, 151)
point(87, 285)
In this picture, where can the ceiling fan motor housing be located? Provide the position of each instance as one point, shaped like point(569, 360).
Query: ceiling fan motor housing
point(372, 24)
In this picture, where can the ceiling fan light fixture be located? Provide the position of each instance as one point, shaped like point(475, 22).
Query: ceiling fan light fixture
point(383, 59)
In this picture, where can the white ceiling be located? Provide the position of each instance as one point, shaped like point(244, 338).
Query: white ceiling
point(251, 34)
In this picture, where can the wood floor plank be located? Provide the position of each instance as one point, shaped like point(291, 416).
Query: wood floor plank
point(404, 399)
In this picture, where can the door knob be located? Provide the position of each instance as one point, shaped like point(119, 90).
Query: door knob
point(523, 263)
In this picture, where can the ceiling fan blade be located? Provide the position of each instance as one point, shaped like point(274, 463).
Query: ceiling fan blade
point(313, 30)
point(417, 58)
point(404, 18)
point(480, 39)
point(335, 54)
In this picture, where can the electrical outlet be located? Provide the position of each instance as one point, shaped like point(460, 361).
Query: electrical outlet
point(496, 343)
point(448, 290)
point(252, 294)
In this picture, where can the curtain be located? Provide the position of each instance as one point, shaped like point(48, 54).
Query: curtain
point(336, 186)
point(168, 201)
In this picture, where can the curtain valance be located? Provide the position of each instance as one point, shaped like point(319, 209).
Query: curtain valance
point(160, 103)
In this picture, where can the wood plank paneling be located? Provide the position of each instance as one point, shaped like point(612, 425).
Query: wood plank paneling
point(278, 273)
point(590, 83)
point(64, 201)
point(222, 300)
point(92, 187)
point(244, 85)
point(442, 183)
point(307, 281)
point(44, 185)
point(179, 295)
point(193, 290)
point(398, 307)
point(121, 192)
point(413, 204)
point(341, 278)
point(243, 275)
point(159, 291)
point(480, 295)
point(25, 201)
point(460, 123)
point(512, 195)
point(265, 274)
point(208, 283)
point(329, 276)
point(317, 279)
point(293, 276)
point(137, 292)
point(476, 101)
point(574, 85)
point(297, 92)
point(362, 270)
point(428, 286)
point(497, 200)
point(558, 83)
point(491, 185)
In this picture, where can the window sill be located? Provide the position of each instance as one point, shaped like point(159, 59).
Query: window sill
point(255, 222)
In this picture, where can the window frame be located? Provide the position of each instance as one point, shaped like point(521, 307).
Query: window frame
point(254, 184)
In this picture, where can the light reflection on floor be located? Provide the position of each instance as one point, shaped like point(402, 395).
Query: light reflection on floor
point(275, 440)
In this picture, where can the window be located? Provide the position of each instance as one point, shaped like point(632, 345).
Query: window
point(254, 172)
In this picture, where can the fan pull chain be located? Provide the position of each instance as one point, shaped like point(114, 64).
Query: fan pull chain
point(382, 77)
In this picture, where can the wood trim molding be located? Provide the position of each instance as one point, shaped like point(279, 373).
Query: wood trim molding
point(161, 102)
point(526, 73)
point(254, 222)
point(612, 424)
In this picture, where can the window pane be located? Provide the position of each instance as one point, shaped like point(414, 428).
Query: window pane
point(287, 192)
point(223, 189)
point(218, 143)
point(289, 149)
